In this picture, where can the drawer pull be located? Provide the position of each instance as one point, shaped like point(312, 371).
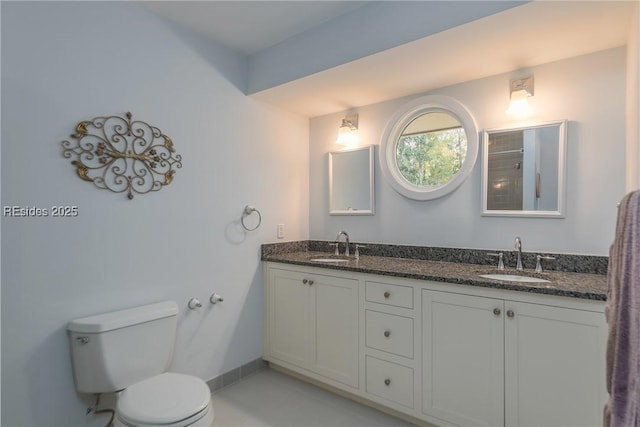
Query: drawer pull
point(387, 333)
point(387, 382)
point(387, 294)
point(496, 311)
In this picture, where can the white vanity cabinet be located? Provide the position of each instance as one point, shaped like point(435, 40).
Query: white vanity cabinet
point(442, 353)
point(554, 365)
point(311, 322)
point(389, 352)
point(462, 359)
point(490, 361)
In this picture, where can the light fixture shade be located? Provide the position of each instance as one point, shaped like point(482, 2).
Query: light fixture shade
point(518, 106)
point(347, 132)
point(347, 137)
point(519, 95)
point(519, 91)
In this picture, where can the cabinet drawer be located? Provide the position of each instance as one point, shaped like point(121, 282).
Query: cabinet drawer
point(384, 293)
point(390, 333)
point(389, 381)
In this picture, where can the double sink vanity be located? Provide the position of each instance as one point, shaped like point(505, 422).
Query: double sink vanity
point(441, 336)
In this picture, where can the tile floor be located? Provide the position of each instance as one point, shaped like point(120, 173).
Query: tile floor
point(269, 398)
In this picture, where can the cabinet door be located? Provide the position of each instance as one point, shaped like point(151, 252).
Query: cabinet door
point(336, 328)
point(290, 317)
point(313, 323)
point(554, 366)
point(463, 364)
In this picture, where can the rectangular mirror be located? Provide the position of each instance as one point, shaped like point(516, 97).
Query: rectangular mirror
point(351, 182)
point(523, 171)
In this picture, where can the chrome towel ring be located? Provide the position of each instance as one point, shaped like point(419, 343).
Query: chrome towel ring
point(248, 210)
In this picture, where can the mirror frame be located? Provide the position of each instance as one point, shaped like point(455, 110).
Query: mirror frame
point(333, 210)
point(562, 158)
point(394, 129)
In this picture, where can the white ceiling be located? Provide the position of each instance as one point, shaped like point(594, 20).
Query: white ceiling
point(525, 36)
point(263, 23)
point(521, 37)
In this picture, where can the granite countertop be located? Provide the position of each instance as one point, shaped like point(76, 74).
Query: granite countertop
point(576, 285)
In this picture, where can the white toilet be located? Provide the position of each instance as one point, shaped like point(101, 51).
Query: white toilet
point(128, 352)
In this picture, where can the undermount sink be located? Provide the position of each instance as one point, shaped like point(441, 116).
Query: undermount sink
point(514, 278)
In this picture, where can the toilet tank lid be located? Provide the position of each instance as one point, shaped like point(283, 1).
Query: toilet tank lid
point(123, 318)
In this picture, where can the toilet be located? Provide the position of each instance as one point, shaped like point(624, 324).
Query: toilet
point(127, 352)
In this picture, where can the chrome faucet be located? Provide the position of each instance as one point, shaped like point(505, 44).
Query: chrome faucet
point(518, 248)
point(346, 250)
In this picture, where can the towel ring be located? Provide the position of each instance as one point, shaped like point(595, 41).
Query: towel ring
point(248, 210)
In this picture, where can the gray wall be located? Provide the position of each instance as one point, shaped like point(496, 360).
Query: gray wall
point(63, 62)
point(589, 91)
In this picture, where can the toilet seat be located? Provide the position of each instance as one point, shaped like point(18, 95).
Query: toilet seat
point(168, 399)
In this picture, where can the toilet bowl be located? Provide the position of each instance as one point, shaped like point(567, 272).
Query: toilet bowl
point(128, 352)
point(168, 399)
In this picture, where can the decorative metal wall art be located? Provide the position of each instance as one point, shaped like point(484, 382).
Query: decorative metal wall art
point(120, 155)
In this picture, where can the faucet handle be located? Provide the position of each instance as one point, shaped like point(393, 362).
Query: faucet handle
point(357, 252)
point(500, 259)
point(518, 245)
point(539, 258)
point(336, 245)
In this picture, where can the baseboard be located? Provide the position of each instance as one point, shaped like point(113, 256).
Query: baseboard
point(236, 374)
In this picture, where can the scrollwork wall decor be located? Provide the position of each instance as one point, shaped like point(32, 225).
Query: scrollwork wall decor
point(118, 154)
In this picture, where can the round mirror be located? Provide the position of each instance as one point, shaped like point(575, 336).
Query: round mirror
point(429, 147)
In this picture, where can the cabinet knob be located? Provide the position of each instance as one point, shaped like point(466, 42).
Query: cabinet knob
point(510, 313)
point(387, 382)
point(387, 333)
point(387, 294)
point(307, 282)
point(496, 311)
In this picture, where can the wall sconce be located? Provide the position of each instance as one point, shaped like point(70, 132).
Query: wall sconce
point(348, 131)
point(519, 91)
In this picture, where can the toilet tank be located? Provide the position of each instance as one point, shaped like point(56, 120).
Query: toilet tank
point(111, 351)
